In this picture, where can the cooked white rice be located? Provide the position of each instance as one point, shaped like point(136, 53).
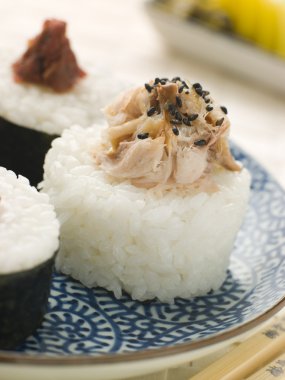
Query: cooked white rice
point(150, 243)
point(28, 226)
point(44, 110)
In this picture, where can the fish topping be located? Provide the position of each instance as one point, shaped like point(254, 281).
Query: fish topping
point(49, 60)
point(163, 133)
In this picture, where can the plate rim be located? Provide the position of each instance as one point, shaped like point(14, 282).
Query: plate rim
point(7, 357)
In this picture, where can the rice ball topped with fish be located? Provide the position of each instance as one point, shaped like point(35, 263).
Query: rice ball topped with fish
point(151, 204)
point(44, 91)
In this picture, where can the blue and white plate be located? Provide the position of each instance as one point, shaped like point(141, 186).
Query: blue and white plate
point(91, 327)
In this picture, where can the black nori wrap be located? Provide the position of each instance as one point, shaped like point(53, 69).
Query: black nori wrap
point(23, 150)
point(23, 302)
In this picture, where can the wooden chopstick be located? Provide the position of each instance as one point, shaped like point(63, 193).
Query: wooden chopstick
point(272, 370)
point(248, 356)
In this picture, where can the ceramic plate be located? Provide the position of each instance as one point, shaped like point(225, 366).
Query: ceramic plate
point(90, 327)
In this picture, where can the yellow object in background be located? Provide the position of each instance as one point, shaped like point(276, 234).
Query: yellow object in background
point(262, 21)
point(259, 21)
point(246, 18)
point(266, 30)
point(280, 38)
point(229, 7)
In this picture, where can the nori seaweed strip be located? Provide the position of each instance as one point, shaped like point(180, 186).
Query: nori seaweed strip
point(23, 150)
point(23, 303)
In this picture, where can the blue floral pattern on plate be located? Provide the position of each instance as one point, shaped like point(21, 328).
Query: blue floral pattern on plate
point(93, 322)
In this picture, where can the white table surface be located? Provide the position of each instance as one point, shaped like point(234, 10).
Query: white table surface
point(118, 34)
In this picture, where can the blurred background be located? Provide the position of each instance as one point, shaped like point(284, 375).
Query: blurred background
point(236, 49)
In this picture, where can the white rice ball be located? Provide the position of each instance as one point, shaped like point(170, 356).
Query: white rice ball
point(29, 229)
point(44, 110)
point(151, 243)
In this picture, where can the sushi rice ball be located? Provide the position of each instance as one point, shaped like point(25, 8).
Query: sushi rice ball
point(29, 239)
point(43, 92)
point(150, 205)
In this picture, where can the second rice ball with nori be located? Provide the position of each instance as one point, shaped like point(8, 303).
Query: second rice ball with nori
point(29, 233)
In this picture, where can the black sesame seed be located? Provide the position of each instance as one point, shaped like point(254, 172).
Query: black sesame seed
point(181, 88)
point(187, 92)
point(174, 121)
point(193, 116)
point(156, 81)
point(143, 136)
point(175, 131)
point(178, 116)
point(207, 100)
point(220, 122)
point(178, 101)
point(151, 111)
point(148, 87)
point(224, 109)
point(209, 108)
point(200, 142)
point(205, 93)
point(175, 79)
point(186, 121)
point(197, 85)
point(162, 81)
point(199, 91)
point(171, 109)
point(185, 84)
